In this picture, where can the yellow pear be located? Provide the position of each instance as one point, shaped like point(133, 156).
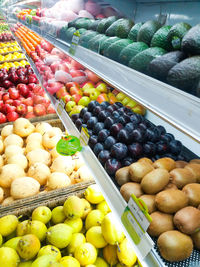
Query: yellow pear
point(86, 254)
point(110, 254)
point(8, 224)
point(126, 254)
point(73, 207)
point(57, 215)
point(22, 228)
point(95, 237)
point(103, 206)
point(50, 250)
point(37, 228)
point(9, 257)
point(42, 214)
point(77, 240)
point(69, 261)
point(44, 261)
point(94, 218)
point(28, 246)
point(1, 239)
point(12, 243)
point(93, 194)
point(25, 264)
point(87, 208)
point(101, 262)
point(76, 224)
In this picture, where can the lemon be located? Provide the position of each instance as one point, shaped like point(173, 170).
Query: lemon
point(100, 262)
point(1, 239)
point(126, 254)
point(95, 237)
point(73, 207)
point(86, 254)
point(76, 224)
point(94, 218)
point(58, 215)
point(42, 214)
point(22, 228)
point(8, 257)
point(8, 224)
point(59, 235)
point(103, 206)
point(55, 264)
point(77, 240)
point(28, 246)
point(110, 254)
point(50, 250)
point(25, 264)
point(12, 243)
point(69, 261)
point(93, 194)
point(87, 208)
point(44, 261)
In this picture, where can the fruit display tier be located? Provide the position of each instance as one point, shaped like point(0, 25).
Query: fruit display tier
point(10, 52)
point(177, 110)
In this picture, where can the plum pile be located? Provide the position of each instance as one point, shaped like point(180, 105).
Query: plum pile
point(119, 137)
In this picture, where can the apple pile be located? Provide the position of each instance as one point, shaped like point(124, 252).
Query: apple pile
point(21, 96)
point(119, 137)
point(29, 160)
point(6, 36)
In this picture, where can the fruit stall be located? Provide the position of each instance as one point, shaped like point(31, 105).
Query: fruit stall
point(100, 133)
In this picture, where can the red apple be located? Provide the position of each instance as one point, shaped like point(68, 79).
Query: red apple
point(31, 86)
point(30, 115)
point(39, 110)
point(5, 97)
point(22, 109)
point(50, 109)
point(30, 94)
point(23, 89)
point(46, 102)
point(16, 102)
point(72, 84)
point(76, 65)
point(61, 92)
point(7, 84)
point(9, 101)
point(38, 90)
point(9, 108)
point(32, 78)
point(92, 76)
point(54, 66)
point(75, 90)
point(12, 116)
point(66, 98)
point(28, 101)
point(76, 98)
point(37, 99)
point(3, 118)
point(78, 76)
point(29, 108)
point(14, 93)
point(102, 97)
point(64, 67)
point(1, 106)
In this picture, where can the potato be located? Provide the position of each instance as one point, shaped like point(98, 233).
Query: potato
point(165, 163)
point(24, 187)
point(84, 174)
point(1, 146)
point(1, 194)
point(131, 188)
point(7, 201)
point(197, 161)
point(196, 239)
point(13, 139)
point(187, 220)
point(39, 155)
point(122, 176)
point(23, 127)
point(6, 131)
point(18, 159)
point(13, 150)
point(34, 137)
point(170, 201)
point(51, 137)
point(58, 180)
point(150, 202)
point(161, 222)
point(193, 193)
point(195, 169)
point(9, 173)
point(154, 181)
point(175, 246)
point(42, 127)
point(63, 164)
point(145, 160)
point(180, 177)
point(138, 170)
point(40, 172)
point(33, 146)
point(180, 163)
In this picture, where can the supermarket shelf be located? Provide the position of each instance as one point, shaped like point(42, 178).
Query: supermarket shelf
point(176, 110)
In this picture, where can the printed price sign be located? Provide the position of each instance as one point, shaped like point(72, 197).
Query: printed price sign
point(136, 221)
point(74, 43)
point(84, 137)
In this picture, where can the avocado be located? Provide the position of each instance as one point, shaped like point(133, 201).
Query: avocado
point(105, 44)
point(95, 44)
point(141, 61)
point(123, 28)
point(105, 24)
point(159, 67)
point(147, 31)
point(114, 50)
point(111, 30)
point(83, 23)
point(191, 41)
point(73, 22)
point(160, 38)
point(176, 34)
point(69, 34)
point(186, 74)
point(93, 26)
point(134, 31)
point(85, 38)
point(130, 51)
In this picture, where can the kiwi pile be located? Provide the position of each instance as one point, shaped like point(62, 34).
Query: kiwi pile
point(171, 191)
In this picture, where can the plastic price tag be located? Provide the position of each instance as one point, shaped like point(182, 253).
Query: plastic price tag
point(68, 145)
point(74, 43)
point(84, 137)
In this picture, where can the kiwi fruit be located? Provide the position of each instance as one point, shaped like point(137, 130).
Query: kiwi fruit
point(196, 239)
point(149, 200)
point(195, 169)
point(154, 181)
point(138, 170)
point(122, 176)
point(145, 160)
point(187, 220)
point(161, 222)
point(175, 246)
point(180, 163)
point(170, 186)
point(193, 193)
point(130, 188)
point(165, 163)
point(181, 176)
point(197, 161)
point(170, 201)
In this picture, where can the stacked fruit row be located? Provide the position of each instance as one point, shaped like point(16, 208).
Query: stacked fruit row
point(29, 160)
point(145, 47)
point(82, 232)
point(6, 36)
point(12, 56)
point(7, 49)
point(14, 64)
point(171, 191)
point(8, 44)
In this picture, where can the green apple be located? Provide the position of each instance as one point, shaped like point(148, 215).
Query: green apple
point(84, 101)
point(94, 95)
point(132, 104)
point(88, 91)
point(102, 87)
point(42, 214)
point(125, 100)
point(120, 96)
point(75, 110)
point(69, 106)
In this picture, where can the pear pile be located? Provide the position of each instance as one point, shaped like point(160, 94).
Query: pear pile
point(82, 232)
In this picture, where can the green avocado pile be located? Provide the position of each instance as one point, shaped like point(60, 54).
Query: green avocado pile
point(168, 53)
